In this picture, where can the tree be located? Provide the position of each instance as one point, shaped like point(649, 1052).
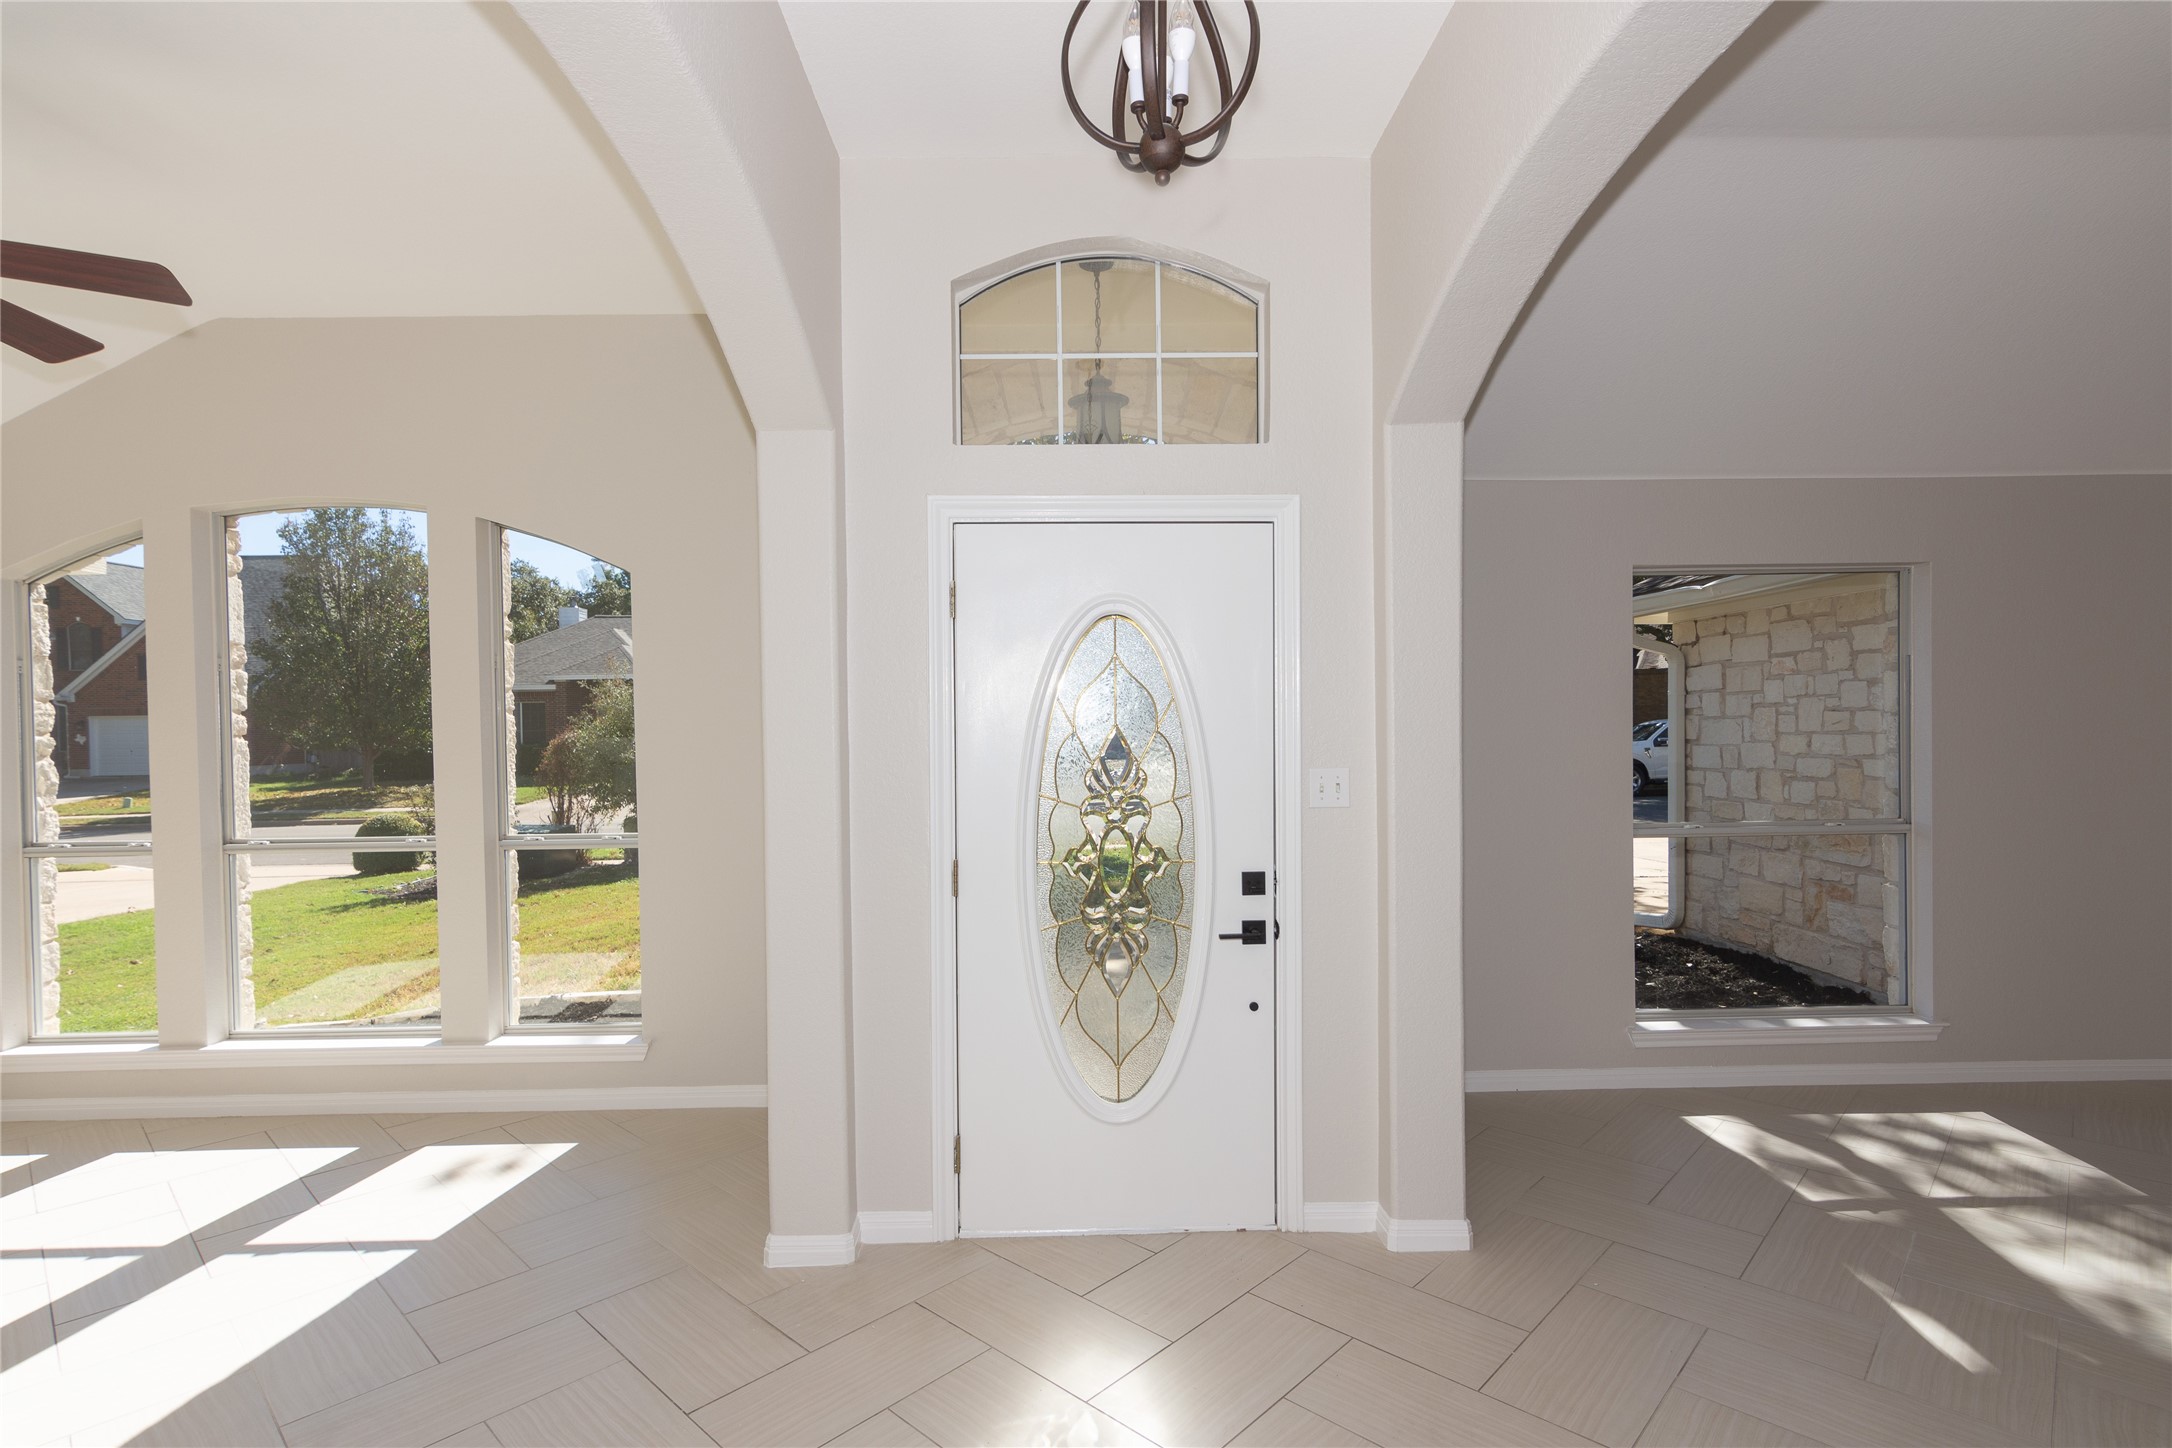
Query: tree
point(588, 769)
point(608, 592)
point(537, 597)
point(347, 652)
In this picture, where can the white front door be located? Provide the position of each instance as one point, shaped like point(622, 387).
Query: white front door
point(120, 744)
point(1115, 773)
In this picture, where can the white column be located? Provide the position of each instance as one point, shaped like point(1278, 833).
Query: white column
point(466, 715)
point(808, 907)
point(186, 681)
point(1421, 804)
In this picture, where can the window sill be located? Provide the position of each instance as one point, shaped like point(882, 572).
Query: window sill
point(1780, 1030)
point(525, 1049)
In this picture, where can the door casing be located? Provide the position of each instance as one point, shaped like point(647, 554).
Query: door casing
point(944, 515)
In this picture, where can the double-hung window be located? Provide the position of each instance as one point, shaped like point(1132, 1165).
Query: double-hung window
point(331, 817)
point(86, 836)
point(568, 823)
point(1770, 790)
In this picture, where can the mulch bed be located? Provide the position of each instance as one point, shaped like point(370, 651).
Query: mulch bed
point(1678, 974)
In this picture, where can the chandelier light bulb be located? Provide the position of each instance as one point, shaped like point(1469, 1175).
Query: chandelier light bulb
point(1183, 36)
point(1131, 58)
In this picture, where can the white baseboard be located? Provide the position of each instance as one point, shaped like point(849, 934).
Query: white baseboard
point(1445, 1234)
point(877, 1227)
point(1847, 1073)
point(344, 1103)
point(835, 1249)
point(1341, 1217)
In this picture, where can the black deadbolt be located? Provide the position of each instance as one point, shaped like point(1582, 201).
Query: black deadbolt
point(1254, 882)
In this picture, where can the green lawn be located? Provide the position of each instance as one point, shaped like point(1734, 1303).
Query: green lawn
point(324, 950)
point(297, 798)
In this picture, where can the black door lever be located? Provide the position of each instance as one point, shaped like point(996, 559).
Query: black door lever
point(1254, 932)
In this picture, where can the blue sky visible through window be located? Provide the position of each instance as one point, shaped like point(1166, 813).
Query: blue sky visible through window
point(260, 531)
point(569, 566)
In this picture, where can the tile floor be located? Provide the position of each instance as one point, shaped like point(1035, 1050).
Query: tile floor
point(1874, 1265)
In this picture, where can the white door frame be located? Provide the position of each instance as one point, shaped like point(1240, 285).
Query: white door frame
point(1280, 511)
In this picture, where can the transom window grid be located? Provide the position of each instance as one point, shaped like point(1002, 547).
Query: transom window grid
point(1062, 356)
point(250, 848)
point(1896, 824)
point(49, 850)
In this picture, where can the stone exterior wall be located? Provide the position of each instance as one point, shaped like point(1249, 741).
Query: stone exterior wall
point(45, 821)
point(1792, 713)
point(237, 706)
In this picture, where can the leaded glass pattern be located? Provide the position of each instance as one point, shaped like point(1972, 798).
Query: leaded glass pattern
point(1114, 858)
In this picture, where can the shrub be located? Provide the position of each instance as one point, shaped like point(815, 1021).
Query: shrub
point(390, 862)
point(546, 864)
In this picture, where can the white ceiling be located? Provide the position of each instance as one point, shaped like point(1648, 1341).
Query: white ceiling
point(1885, 239)
point(966, 78)
point(330, 159)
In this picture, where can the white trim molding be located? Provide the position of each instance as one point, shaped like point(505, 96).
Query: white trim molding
point(149, 1055)
point(1851, 1073)
point(877, 1227)
point(1339, 1217)
point(1746, 1030)
point(1281, 510)
point(1446, 1234)
point(353, 1103)
point(832, 1249)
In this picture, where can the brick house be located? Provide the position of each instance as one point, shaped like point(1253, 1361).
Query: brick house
point(554, 672)
point(100, 699)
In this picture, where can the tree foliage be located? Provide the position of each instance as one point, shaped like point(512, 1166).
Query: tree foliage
point(536, 599)
point(588, 770)
point(347, 652)
point(608, 592)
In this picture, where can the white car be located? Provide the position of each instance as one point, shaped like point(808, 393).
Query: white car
point(1649, 756)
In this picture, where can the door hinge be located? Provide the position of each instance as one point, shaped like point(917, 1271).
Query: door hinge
point(953, 879)
point(957, 1156)
point(953, 600)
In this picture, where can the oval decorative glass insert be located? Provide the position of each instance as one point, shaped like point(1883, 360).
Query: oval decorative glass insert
point(1114, 857)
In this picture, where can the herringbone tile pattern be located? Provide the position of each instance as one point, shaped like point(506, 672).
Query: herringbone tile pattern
point(1876, 1265)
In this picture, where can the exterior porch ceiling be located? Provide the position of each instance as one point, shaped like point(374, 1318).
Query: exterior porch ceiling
point(967, 78)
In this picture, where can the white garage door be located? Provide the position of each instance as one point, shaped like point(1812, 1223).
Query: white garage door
point(120, 745)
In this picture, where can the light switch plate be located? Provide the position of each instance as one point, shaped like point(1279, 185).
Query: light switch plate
point(1330, 789)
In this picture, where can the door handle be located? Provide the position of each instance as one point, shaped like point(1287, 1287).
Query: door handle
point(1254, 932)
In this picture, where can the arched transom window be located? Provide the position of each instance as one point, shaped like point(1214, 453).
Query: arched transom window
point(1100, 349)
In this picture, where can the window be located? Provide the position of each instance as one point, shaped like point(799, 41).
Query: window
point(1770, 801)
point(332, 817)
point(86, 844)
point(569, 826)
point(1108, 349)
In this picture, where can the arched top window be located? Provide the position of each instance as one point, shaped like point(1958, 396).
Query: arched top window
point(1103, 349)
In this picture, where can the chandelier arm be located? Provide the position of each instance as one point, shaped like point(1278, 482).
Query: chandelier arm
point(1115, 143)
point(1154, 66)
point(1221, 138)
point(1244, 86)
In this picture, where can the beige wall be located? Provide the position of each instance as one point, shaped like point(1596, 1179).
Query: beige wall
point(2043, 854)
point(622, 436)
point(1299, 225)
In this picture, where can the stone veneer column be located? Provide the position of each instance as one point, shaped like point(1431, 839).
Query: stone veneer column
point(237, 712)
point(45, 806)
point(510, 721)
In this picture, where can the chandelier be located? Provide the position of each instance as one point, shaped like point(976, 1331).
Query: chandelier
point(1154, 84)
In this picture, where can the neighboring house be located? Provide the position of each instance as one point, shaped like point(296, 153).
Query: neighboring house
point(100, 699)
point(554, 672)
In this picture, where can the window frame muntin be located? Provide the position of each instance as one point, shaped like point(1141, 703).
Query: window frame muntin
point(1915, 951)
point(1062, 258)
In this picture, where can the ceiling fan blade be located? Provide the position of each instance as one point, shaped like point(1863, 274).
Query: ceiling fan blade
point(45, 340)
point(88, 271)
